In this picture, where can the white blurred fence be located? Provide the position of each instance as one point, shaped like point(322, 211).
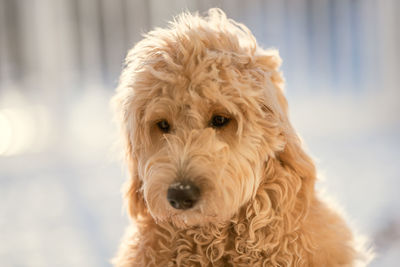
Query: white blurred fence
point(326, 44)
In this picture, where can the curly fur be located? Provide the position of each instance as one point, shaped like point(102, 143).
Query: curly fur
point(258, 205)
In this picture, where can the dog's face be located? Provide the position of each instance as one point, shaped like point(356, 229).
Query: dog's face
point(201, 116)
point(203, 151)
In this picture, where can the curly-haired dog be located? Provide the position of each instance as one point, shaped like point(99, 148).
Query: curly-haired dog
point(218, 176)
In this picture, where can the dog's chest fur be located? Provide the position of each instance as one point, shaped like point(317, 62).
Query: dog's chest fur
point(244, 241)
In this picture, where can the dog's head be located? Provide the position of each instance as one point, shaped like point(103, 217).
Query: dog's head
point(202, 111)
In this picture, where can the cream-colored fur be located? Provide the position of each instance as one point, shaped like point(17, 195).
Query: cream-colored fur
point(258, 206)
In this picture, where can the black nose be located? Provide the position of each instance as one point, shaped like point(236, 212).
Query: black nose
point(183, 195)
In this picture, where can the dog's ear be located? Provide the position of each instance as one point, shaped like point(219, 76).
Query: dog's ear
point(273, 101)
point(292, 157)
point(132, 188)
point(122, 104)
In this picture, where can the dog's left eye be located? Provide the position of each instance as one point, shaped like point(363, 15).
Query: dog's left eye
point(163, 125)
point(218, 121)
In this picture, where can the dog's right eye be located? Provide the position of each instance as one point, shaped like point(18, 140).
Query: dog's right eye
point(163, 125)
point(218, 121)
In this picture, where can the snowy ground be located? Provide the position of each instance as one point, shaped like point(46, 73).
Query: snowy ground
point(61, 205)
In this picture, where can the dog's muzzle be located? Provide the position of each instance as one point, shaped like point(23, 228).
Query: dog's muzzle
point(183, 195)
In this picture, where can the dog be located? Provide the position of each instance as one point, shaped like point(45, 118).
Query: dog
point(218, 175)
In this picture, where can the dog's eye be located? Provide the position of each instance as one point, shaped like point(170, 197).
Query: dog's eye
point(163, 125)
point(218, 121)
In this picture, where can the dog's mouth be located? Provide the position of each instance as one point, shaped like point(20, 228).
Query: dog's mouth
point(196, 202)
point(194, 217)
point(187, 204)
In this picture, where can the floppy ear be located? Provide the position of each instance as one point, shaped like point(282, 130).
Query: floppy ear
point(292, 157)
point(122, 103)
point(132, 188)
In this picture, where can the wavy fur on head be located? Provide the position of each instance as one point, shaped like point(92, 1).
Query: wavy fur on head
point(258, 206)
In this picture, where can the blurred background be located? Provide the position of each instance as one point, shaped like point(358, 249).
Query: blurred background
point(60, 172)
